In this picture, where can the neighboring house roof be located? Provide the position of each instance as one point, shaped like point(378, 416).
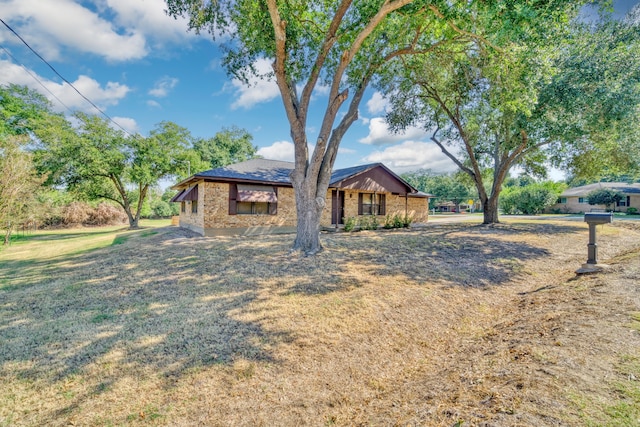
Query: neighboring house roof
point(275, 172)
point(584, 190)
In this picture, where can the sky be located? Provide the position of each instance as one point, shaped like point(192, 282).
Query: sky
point(142, 67)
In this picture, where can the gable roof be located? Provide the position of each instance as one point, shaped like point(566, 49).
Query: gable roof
point(275, 172)
point(584, 190)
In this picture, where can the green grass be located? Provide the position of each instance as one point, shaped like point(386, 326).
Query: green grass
point(39, 252)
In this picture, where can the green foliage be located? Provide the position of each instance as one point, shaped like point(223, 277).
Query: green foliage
point(632, 211)
point(368, 222)
point(100, 162)
point(530, 199)
point(397, 221)
point(230, 145)
point(605, 196)
point(519, 96)
point(592, 103)
point(350, 223)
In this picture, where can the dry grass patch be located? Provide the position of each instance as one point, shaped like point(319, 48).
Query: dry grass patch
point(485, 325)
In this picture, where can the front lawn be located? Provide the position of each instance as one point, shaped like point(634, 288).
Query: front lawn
point(451, 323)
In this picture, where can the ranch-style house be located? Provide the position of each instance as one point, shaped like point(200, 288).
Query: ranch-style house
point(257, 197)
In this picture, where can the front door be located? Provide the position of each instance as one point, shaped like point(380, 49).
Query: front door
point(337, 207)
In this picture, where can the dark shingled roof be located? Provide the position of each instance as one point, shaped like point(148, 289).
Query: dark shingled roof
point(277, 172)
point(257, 170)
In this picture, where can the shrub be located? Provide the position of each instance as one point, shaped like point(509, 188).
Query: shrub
point(604, 196)
point(106, 214)
point(75, 213)
point(369, 222)
point(632, 211)
point(406, 222)
point(349, 223)
point(161, 209)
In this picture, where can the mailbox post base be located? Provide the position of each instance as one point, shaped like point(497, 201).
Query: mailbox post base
point(591, 268)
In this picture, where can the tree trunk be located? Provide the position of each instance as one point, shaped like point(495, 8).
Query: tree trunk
point(309, 210)
point(491, 210)
point(133, 221)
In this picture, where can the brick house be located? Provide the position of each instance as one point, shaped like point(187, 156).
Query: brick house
point(576, 200)
point(256, 197)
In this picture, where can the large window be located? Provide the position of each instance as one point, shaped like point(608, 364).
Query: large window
point(253, 208)
point(247, 199)
point(371, 204)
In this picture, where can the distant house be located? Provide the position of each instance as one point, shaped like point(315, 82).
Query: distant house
point(575, 200)
point(257, 197)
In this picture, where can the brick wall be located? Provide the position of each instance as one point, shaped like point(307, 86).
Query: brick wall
point(213, 216)
point(418, 208)
point(194, 221)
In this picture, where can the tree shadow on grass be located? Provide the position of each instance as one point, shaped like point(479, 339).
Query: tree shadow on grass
point(169, 303)
point(165, 306)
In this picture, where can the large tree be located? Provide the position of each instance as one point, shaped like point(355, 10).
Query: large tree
point(338, 45)
point(507, 102)
point(100, 162)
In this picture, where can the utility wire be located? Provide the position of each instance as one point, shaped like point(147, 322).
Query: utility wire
point(63, 79)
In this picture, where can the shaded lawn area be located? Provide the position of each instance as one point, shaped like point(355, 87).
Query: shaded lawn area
point(158, 326)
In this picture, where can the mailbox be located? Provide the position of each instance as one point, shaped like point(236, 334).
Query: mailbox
point(598, 217)
point(593, 219)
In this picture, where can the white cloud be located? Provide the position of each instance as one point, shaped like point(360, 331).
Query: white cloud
point(413, 155)
point(280, 150)
point(48, 25)
point(149, 17)
point(163, 86)
point(127, 123)
point(154, 104)
point(377, 104)
point(380, 134)
point(262, 88)
point(102, 96)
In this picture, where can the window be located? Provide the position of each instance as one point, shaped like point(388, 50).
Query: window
point(582, 200)
point(371, 204)
point(183, 207)
point(562, 200)
point(253, 208)
point(252, 199)
point(194, 206)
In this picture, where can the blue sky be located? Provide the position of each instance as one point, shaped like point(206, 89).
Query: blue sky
point(142, 67)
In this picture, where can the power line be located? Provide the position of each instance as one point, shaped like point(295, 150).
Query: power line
point(63, 79)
